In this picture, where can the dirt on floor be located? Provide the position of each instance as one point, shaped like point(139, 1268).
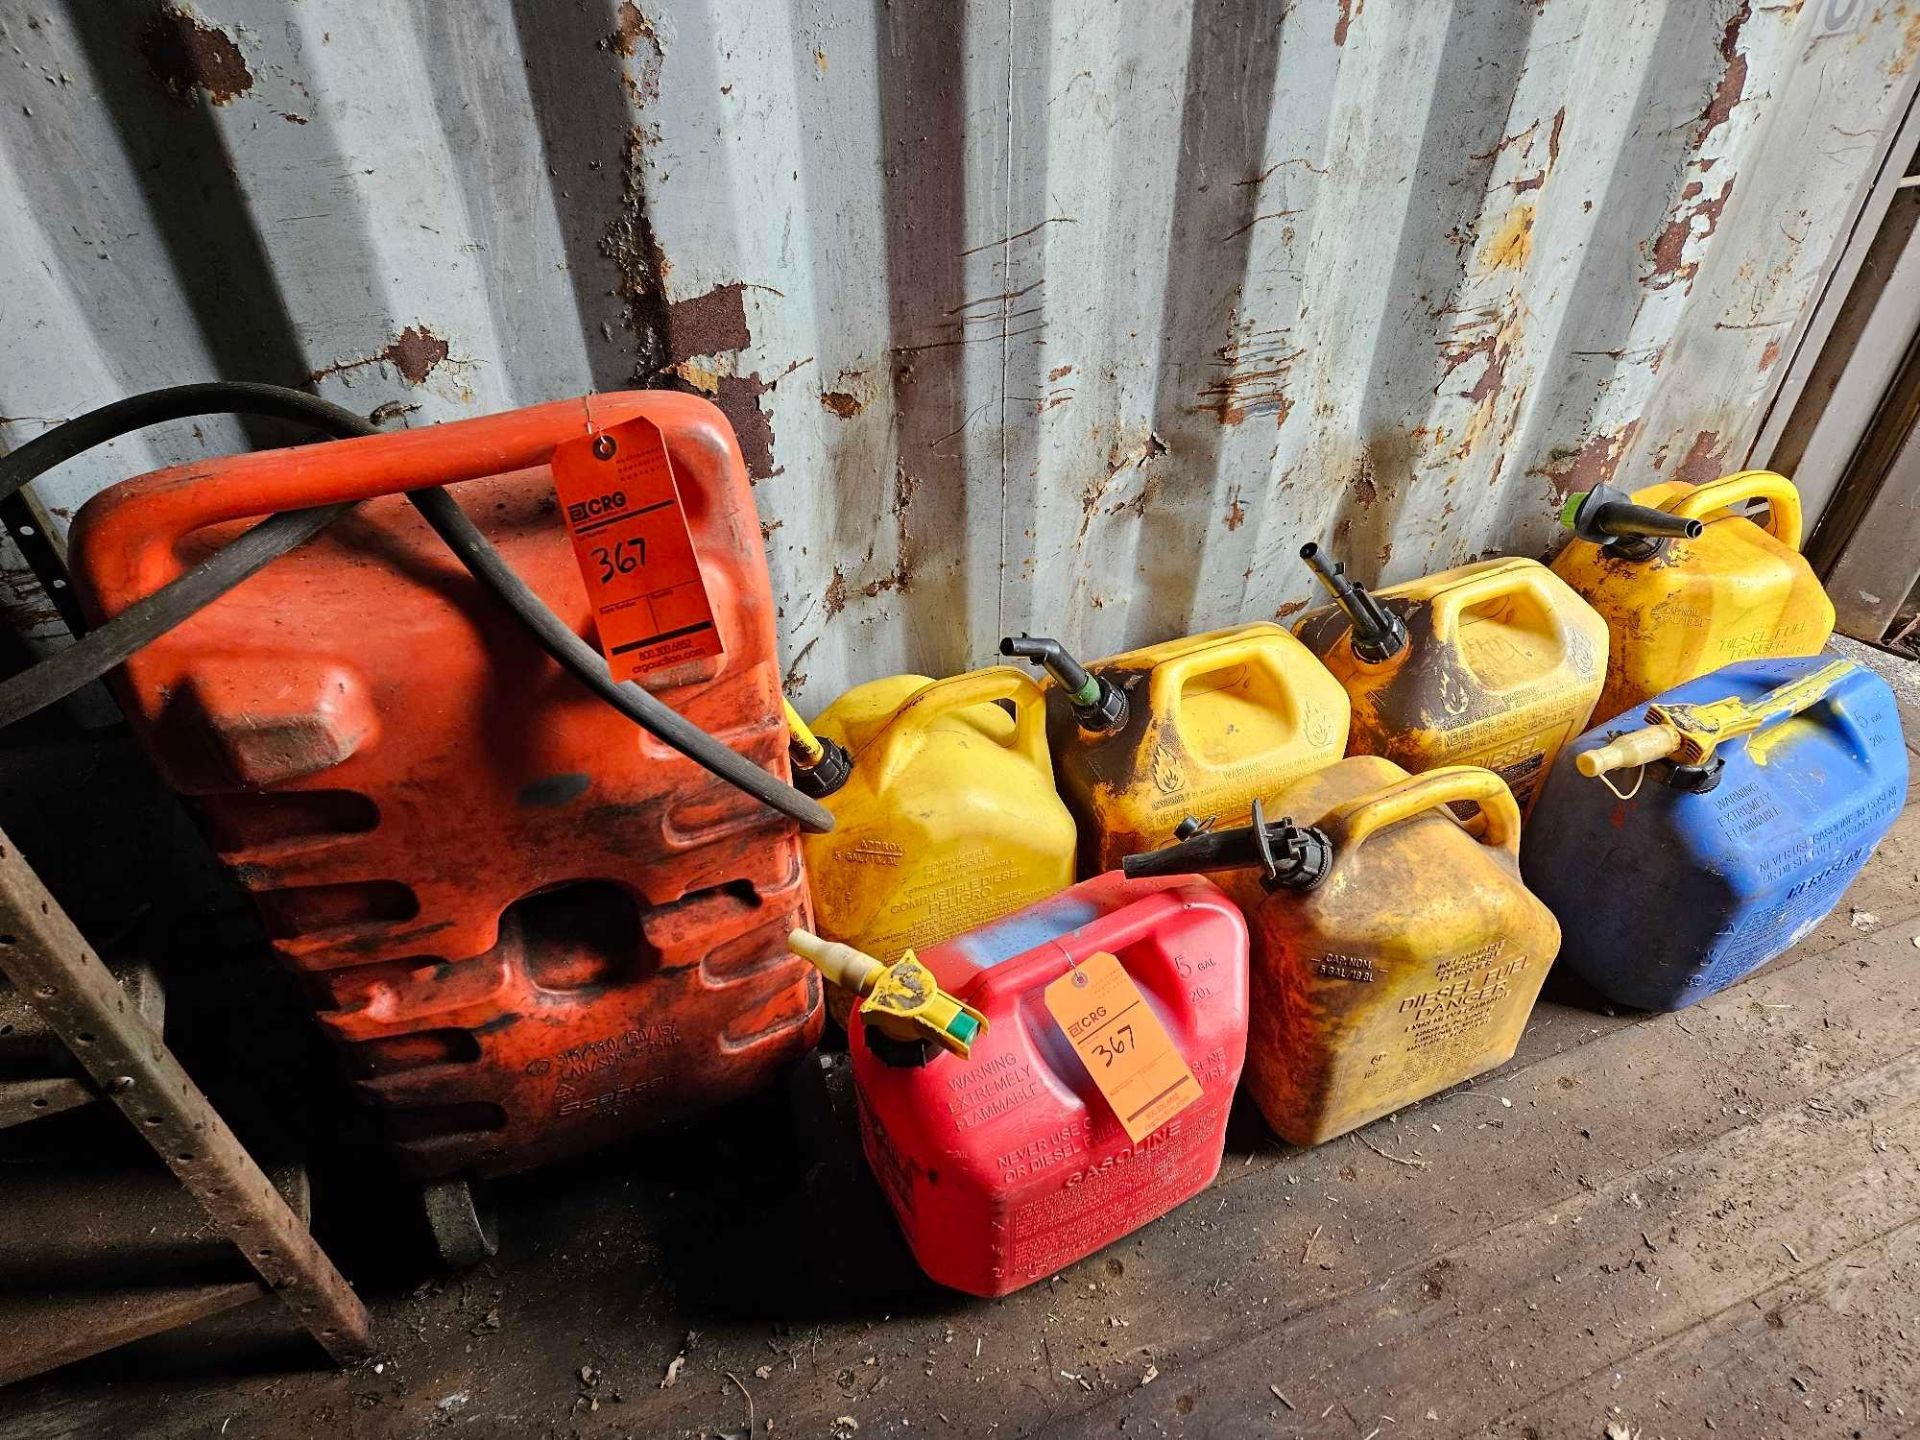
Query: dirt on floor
point(1689, 1224)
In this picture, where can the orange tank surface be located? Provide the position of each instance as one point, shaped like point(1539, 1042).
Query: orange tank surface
point(531, 927)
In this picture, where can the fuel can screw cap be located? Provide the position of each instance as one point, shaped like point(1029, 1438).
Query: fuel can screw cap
point(1098, 704)
point(902, 1000)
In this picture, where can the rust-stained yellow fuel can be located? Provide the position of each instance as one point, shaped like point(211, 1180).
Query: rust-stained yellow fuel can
point(1394, 953)
point(1496, 664)
point(944, 806)
point(1198, 726)
point(1687, 583)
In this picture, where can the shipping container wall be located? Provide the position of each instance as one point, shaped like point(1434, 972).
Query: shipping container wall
point(1065, 315)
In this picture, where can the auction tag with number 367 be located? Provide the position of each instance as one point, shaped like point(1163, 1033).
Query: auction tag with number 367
point(635, 550)
point(1123, 1044)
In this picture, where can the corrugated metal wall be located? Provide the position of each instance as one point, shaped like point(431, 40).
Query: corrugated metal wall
point(1064, 314)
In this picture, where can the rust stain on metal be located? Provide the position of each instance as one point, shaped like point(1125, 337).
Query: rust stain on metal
point(1733, 77)
point(1670, 265)
point(632, 29)
point(1059, 372)
point(1512, 244)
point(835, 599)
point(639, 264)
point(1593, 463)
point(414, 354)
point(842, 403)
point(708, 324)
point(1254, 371)
point(1350, 11)
point(1292, 607)
point(1705, 459)
point(187, 55)
point(1236, 512)
point(1769, 356)
point(738, 397)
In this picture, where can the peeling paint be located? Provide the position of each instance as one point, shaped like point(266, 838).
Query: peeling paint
point(415, 353)
point(1350, 11)
point(1705, 459)
point(708, 324)
point(1593, 463)
point(190, 57)
point(738, 397)
point(1733, 76)
point(1669, 249)
point(834, 599)
point(632, 29)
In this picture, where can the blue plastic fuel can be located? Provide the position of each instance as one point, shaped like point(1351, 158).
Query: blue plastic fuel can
point(1688, 842)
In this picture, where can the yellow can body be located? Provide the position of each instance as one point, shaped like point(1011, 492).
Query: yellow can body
point(949, 818)
point(1741, 591)
point(1502, 666)
point(1214, 722)
point(1411, 967)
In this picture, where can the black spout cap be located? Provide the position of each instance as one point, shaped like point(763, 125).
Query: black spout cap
point(827, 774)
point(1378, 633)
point(1288, 856)
point(1098, 704)
point(1607, 516)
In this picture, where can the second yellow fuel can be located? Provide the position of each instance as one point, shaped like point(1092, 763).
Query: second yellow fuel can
point(1198, 726)
point(944, 805)
point(1496, 664)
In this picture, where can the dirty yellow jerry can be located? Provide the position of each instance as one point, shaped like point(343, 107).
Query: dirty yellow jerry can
point(1496, 664)
point(1687, 583)
point(1394, 953)
point(944, 806)
point(1198, 726)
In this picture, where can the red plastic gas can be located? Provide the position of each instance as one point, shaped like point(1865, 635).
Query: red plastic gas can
point(531, 926)
point(1009, 1164)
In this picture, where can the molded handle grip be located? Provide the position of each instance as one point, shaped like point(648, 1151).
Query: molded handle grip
point(1509, 578)
point(1780, 493)
point(145, 519)
point(1350, 824)
point(1111, 932)
point(901, 736)
point(1260, 648)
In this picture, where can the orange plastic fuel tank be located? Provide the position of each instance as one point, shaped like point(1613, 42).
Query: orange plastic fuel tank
point(531, 926)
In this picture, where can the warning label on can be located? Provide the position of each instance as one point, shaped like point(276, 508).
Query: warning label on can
point(635, 550)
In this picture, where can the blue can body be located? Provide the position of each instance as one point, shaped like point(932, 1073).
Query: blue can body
point(1669, 896)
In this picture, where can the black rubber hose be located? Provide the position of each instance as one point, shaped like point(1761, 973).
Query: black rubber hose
point(581, 660)
point(146, 620)
point(141, 623)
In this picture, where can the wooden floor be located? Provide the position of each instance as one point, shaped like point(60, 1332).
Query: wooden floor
point(1642, 1226)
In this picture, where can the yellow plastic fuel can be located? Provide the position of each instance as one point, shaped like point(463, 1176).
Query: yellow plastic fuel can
point(1197, 726)
point(1687, 583)
point(1394, 953)
point(944, 806)
point(1496, 664)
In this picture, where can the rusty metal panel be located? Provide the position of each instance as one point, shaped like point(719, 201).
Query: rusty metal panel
point(1040, 313)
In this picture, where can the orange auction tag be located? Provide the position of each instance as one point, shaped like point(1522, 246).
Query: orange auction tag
point(1123, 1044)
point(636, 553)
